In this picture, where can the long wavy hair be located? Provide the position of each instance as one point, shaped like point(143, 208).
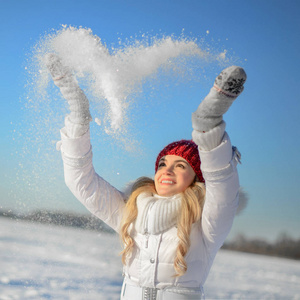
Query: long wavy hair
point(192, 202)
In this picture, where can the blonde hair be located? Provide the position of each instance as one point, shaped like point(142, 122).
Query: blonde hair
point(191, 210)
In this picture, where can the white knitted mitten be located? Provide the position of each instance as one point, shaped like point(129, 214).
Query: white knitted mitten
point(77, 122)
point(228, 86)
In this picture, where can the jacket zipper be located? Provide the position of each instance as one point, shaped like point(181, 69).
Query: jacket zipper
point(146, 226)
point(146, 239)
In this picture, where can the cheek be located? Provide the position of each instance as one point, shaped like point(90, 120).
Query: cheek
point(188, 179)
point(155, 179)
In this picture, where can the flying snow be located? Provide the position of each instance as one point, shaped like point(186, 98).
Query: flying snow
point(113, 76)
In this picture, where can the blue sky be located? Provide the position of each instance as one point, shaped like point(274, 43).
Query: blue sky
point(263, 123)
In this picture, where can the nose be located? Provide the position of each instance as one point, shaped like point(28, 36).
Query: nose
point(168, 170)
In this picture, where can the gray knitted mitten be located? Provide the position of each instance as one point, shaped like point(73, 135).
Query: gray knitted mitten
point(228, 86)
point(77, 122)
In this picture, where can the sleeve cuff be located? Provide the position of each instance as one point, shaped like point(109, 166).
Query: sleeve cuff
point(217, 158)
point(75, 147)
point(210, 139)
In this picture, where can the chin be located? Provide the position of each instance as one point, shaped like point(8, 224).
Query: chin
point(167, 194)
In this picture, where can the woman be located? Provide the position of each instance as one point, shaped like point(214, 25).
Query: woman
point(172, 226)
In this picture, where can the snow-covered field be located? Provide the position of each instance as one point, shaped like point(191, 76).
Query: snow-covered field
point(47, 262)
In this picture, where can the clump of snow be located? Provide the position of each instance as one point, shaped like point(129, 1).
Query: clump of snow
point(98, 121)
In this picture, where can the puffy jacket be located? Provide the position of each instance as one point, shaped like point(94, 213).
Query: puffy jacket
point(152, 261)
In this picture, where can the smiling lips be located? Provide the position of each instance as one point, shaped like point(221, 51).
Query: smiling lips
point(167, 181)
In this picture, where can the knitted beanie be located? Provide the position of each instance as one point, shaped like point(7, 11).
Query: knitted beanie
point(186, 149)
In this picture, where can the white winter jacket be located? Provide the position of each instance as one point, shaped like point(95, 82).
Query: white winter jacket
point(153, 256)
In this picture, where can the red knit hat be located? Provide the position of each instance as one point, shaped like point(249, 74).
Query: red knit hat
point(186, 149)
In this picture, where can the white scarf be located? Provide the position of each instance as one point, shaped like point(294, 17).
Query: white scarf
point(155, 213)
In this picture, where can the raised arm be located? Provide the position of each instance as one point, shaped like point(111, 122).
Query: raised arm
point(99, 197)
point(218, 157)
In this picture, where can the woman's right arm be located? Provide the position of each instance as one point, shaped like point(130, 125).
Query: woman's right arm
point(96, 194)
point(102, 199)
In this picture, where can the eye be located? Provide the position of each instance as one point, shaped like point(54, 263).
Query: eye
point(161, 164)
point(182, 166)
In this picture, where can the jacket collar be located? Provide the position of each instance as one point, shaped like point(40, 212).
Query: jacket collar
point(155, 213)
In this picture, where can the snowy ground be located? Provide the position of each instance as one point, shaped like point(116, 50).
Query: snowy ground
point(44, 262)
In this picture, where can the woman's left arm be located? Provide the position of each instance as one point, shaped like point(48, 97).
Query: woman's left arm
point(218, 157)
point(222, 190)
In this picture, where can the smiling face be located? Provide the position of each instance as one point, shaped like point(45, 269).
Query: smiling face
point(173, 176)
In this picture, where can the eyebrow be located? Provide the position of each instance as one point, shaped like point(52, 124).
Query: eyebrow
point(178, 160)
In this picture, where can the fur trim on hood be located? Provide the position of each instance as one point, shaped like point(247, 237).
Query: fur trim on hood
point(243, 196)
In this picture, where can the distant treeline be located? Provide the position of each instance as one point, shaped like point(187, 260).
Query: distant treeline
point(61, 219)
point(284, 246)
